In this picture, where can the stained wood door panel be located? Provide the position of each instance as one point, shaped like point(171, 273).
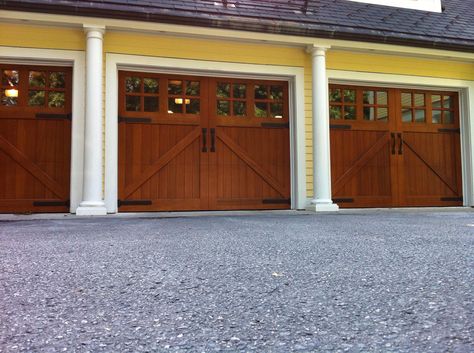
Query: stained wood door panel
point(237, 178)
point(409, 158)
point(250, 165)
point(361, 168)
point(35, 164)
point(214, 155)
point(427, 181)
point(162, 165)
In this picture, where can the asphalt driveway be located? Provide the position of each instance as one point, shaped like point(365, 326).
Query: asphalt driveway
point(363, 282)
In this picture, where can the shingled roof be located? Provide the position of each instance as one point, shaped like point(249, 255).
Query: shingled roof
point(452, 29)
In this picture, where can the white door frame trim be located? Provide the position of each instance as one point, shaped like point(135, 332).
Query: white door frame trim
point(75, 59)
point(294, 75)
point(466, 95)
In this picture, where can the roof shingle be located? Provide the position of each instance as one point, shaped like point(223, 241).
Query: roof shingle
point(339, 19)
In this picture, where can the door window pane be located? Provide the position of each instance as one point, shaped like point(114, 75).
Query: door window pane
point(436, 101)
point(10, 78)
point(193, 88)
point(9, 98)
point(56, 99)
point(150, 85)
point(240, 90)
point(419, 116)
point(261, 110)
point(37, 79)
point(406, 100)
point(369, 113)
point(276, 109)
point(448, 117)
point(150, 104)
point(447, 102)
point(419, 100)
point(349, 96)
point(132, 103)
point(132, 84)
point(436, 117)
point(335, 112)
point(261, 92)
point(382, 114)
point(57, 80)
point(223, 108)
point(223, 90)
point(240, 108)
point(193, 106)
point(369, 98)
point(407, 115)
point(36, 98)
point(175, 105)
point(335, 95)
point(276, 92)
point(175, 87)
point(349, 113)
point(382, 98)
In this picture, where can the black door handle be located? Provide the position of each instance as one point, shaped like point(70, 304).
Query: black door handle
point(400, 146)
point(204, 140)
point(213, 140)
point(393, 142)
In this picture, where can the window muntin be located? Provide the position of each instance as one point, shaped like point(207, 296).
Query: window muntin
point(231, 98)
point(46, 88)
point(413, 107)
point(375, 105)
point(142, 93)
point(268, 101)
point(343, 103)
point(184, 96)
point(251, 99)
point(442, 109)
point(39, 88)
point(428, 107)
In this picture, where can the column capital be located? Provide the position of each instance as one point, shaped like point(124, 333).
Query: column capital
point(317, 50)
point(94, 30)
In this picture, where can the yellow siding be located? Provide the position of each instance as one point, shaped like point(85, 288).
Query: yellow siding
point(15, 35)
point(390, 64)
point(202, 49)
point(233, 51)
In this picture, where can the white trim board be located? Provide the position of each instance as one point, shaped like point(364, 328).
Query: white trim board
point(294, 75)
point(76, 59)
point(466, 96)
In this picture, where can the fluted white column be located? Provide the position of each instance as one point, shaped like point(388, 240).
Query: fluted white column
point(321, 149)
point(92, 199)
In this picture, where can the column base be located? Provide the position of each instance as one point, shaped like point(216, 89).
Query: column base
point(322, 207)
point(91, 209)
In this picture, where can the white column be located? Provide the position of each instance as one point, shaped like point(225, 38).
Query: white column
point(321, 150)
point(92, 199)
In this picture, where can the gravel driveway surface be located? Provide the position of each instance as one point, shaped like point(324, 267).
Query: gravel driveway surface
point(355, 282)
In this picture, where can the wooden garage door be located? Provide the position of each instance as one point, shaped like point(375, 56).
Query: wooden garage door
point(35, 138)
point(197, 143)
point(392, 147)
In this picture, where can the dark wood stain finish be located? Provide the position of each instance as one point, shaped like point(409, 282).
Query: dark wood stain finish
point(35, 148)
point(394, 163)
point(203, 161)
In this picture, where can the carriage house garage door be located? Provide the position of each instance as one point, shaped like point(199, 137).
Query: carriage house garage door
point(394, 147)
point(199, 143)
point(35, 138)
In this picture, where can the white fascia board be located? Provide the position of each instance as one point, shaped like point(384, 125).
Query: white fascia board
point(425, 5)
point(29, 18)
